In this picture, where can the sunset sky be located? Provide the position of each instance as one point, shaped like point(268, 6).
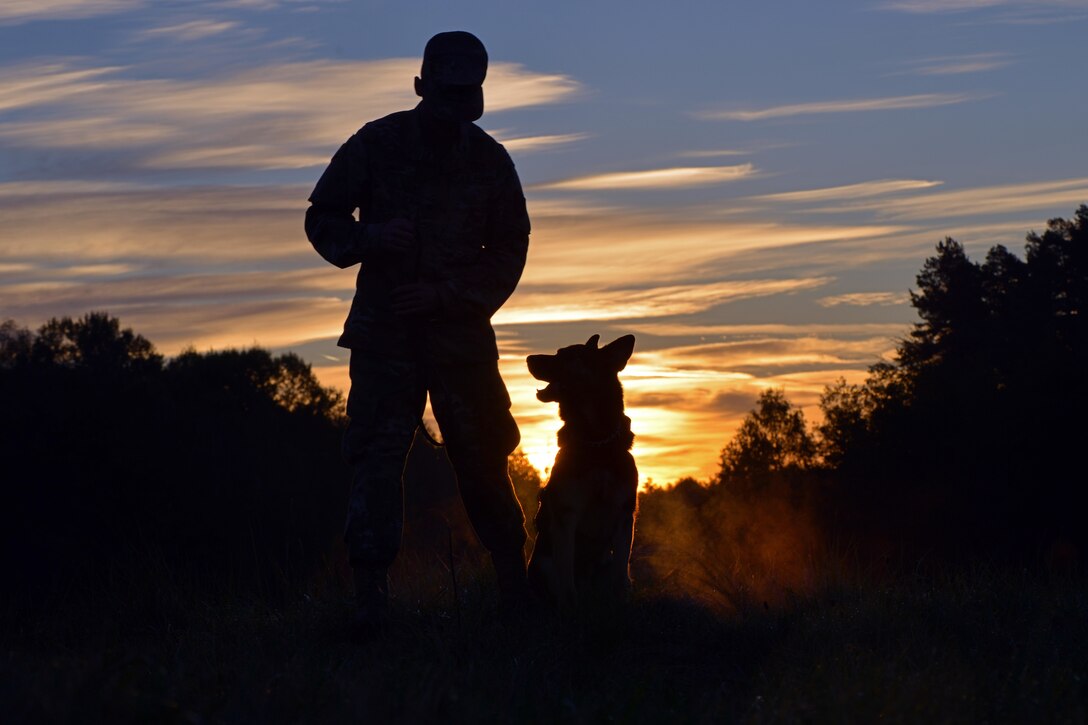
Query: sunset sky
point(748, 187)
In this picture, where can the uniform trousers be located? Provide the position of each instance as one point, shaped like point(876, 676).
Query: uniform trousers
point(385, 406)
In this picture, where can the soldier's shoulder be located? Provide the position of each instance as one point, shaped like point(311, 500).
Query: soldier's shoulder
point(488, 147)
point(383, 131)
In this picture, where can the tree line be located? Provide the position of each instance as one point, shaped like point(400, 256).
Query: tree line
point(226, 464)
point(970, 440)
point(221, 466)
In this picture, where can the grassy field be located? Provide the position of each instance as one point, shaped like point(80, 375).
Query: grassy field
point(984, 645)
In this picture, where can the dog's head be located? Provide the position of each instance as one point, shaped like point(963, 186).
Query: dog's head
point(580, 370)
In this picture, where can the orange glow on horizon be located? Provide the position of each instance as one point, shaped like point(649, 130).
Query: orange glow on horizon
point(679, 433)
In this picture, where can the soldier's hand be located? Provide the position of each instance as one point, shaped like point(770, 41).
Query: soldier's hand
point(415, 300)
point(397, 236)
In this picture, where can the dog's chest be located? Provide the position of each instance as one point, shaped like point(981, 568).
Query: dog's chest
point(596, 490)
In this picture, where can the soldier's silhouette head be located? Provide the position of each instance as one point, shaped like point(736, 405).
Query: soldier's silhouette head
point(451, 79)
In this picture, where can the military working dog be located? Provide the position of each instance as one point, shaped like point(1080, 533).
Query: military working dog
point(587, 510)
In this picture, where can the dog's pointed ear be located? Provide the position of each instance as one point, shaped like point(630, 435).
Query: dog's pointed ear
point(592, 342)
point(618, 352)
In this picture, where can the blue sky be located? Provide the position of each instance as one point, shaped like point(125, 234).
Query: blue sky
point(748, 187)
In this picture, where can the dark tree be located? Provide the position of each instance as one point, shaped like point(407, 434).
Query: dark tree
point(971, 437)
point(15, 345)
point(773, 439)
point(95, 341)
point(847, 411)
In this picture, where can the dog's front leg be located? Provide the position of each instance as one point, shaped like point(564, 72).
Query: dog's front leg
point(619, 573)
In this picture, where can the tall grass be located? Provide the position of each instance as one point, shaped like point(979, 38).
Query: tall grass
point(944, 645)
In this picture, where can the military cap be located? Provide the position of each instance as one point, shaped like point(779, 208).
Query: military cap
point(455, 58)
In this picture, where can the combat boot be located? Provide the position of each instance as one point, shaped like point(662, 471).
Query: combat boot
point(371, 603)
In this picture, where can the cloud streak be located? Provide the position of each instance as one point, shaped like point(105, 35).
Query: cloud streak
point(1010, 12)
point(579, 304)
point(531, 144)
point(21, 11)
point(677, 246)
point(865, 299)
point(986, 200)
point(669, 178)
point(861, 105)
point(77, 223)
point(25, 86)
point(288, 115)
point(957, 64)
point(190, 31)
point(959, 6)
point(852, 191)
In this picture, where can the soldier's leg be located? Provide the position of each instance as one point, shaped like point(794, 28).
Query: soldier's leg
point(472, 408)
point(385, 403)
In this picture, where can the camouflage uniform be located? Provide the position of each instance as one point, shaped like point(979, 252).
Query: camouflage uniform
point(471, 231)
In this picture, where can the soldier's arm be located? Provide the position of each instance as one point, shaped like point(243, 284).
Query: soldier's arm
point(482, 288)
point(330, 221)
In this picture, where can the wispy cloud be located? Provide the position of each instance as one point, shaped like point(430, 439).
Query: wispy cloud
point(175, 309)
point(573, 244)
point(34, 191)
point(98, 270)
point(25, 86)
point(861, 105)
point(942, 6)
point(675, 177)
point(836, 330)
point(636, 247)
point(570, 305)
point(287, 115)
point(75, 133)
point(852, 191)
point(568, 206)
point(21, 11)
point(977, 201)
point(1009, 12)
point(956, 6)
point(511, 85)
point(748, 356)
point(865, 299)
point(191, 30)
point(529, 144)
point(957, 64)
point(712, 154)
point(78, 224)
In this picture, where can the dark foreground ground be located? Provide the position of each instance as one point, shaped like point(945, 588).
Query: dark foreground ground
point(977, 646)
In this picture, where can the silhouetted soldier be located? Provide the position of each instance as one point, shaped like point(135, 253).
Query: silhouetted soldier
point(441, 242)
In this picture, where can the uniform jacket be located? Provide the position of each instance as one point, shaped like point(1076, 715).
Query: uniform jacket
point(472, 234)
